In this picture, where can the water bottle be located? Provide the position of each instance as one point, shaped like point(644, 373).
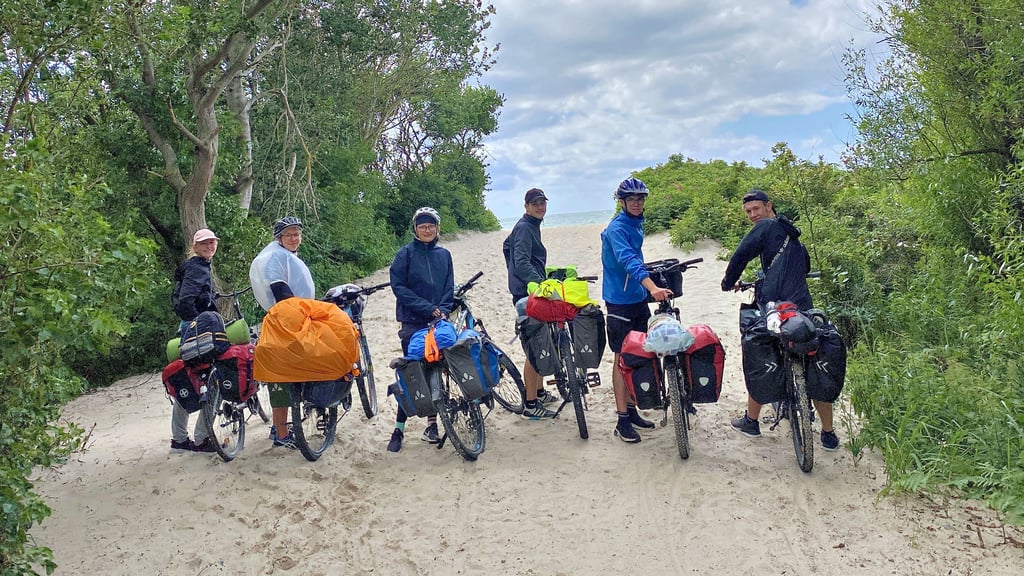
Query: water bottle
point(772, 319)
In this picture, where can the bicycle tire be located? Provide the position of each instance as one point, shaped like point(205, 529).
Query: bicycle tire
point(262, 402)
point(365, 382)
point(574, 385)
point(462, 420)
point(313, 426)
point(800, 417)
point(675, 380)
point(225, 423)
point(510, 390)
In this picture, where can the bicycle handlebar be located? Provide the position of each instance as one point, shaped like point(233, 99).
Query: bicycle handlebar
point(234, 294)
point(587, 278)
point(468, 284)
point(748, 285)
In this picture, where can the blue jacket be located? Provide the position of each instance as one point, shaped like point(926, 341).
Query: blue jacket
point(422, 278)
point(786, 279)
point(623, 260)
point(525, 255)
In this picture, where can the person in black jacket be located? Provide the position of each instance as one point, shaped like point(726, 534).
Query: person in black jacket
point(423, 281)
point(526, 258)
point(785, 263)
point(193, 293)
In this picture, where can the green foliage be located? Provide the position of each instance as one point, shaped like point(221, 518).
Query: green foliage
point(68, 283)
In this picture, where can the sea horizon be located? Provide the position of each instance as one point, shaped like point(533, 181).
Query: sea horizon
point(564, 219)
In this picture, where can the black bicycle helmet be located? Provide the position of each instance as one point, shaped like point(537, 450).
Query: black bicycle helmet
point(286, 222)
point(631, 187)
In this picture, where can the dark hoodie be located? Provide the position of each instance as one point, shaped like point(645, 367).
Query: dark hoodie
point(786, 278)
point(422, 278)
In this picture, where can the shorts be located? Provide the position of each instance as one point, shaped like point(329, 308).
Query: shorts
point(280, 397)
point(621, 318)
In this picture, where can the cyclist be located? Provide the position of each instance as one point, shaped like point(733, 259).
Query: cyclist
point(193, 293)
point(785, 263)
point(423, 281)
point(277, 273)
point(525, 259)
point(625, 287)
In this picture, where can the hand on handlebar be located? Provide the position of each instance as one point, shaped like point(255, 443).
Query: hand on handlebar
point(660, 294)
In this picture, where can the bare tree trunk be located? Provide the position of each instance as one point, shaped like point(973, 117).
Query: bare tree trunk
point(239, 102)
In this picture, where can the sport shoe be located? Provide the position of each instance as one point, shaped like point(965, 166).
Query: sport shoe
point(204, 446)
point(829, 441)
point(288, 441)
point(637, 420)
point(547, 397)
point(185, 446)
point(747, 426)
point(430, 434)
point(395, 444)
point(538, 411)
point(624, 431)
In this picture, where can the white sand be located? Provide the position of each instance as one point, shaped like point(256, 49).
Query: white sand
point(539, 500)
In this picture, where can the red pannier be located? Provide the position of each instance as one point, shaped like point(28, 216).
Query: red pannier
point(182, 385)
point(704, 361)
point(641, 371)
point(234, 372)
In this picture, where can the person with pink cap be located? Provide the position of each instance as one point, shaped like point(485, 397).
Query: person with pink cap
point(193, 293)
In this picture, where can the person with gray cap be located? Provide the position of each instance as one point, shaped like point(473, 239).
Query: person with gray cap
point(525, 259)
point(785, 263)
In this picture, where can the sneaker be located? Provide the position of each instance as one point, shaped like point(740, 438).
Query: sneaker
point(624, 431)
point(204, 446)
point(395, 444)
point(538, 411)
point(430, 434)
point(829, 441)
point(637, 420)
point(288, 441)
point(747, 426)
point(186, 446)
point(547, 397)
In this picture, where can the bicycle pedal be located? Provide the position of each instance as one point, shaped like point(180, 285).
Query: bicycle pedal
point(593, 379)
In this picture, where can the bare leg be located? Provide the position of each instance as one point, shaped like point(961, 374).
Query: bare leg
point(753, 409)
point(619, 388)
point(532, 380)
point(825, 412)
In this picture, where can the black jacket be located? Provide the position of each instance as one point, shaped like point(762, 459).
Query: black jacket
point(525, 255)
point(422, 278)
point(193, 289)
point(786, 278)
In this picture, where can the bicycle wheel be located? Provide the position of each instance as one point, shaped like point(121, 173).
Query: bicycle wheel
point(574, 384)
point(225, 422)
point(510, 390)
point(313, 426)
point(364, 382)
point(260, 403)
point(675, 380)
point(462, 420)
point(800, 416)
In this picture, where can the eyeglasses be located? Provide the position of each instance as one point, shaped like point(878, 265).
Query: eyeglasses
point(636, 199)
point(426, 227)
point(292, 235)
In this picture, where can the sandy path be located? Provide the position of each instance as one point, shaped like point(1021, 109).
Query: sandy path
point(539, 501)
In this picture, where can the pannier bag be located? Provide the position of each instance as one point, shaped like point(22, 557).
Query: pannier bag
point(826, 369)
point(665, 335)
point(641, 371)
point(472, 366)
point(326, 394)
point(444, 338)
point(305, 340)
point(762, 363)
point(183, 385)
point(704, 361)
point(588, 336)
point(234, 373)
point(749, 314)
point(796, 330)
point(538, 345)
point(672, 280)
point(203, 339)
point(412, 387)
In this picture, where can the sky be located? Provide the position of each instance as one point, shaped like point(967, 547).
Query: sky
point(596, 89)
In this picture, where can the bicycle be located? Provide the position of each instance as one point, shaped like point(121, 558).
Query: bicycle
point(676, 392)
point(352, 300)
point(314, 411)
point(225, 401)
point(508, 392)
point(795, 406)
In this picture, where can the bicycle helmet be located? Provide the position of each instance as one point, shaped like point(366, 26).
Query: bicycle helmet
point(425, 215)
point(286, 222)
point(631, 187)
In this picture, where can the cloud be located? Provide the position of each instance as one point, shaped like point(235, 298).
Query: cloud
point(598, 88)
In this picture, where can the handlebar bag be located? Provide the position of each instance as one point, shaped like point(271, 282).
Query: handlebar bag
point(641, 371)
point(182, 385)
point(411, 388)
point(538, 345)
point(762, 363)
point(705, 364)
point(234, 373)
point(672, 279)
point(470, 364)
point(826, 369)
point(589, 337)
point(305, 340)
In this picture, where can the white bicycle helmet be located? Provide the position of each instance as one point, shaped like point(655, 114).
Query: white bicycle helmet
point(423, 213)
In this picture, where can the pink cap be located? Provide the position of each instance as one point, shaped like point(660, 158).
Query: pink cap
point(204, 234)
